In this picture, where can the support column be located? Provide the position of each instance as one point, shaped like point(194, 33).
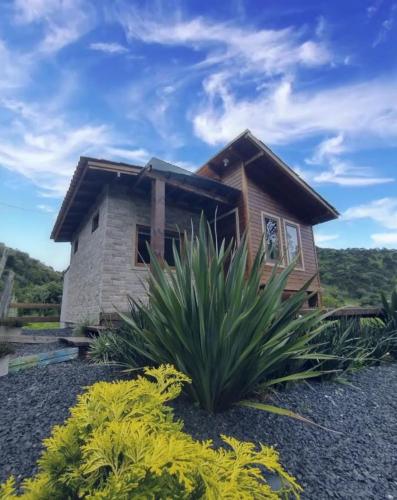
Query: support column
point(157, 218)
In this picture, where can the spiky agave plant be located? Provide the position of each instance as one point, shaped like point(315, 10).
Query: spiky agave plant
point(216, 323)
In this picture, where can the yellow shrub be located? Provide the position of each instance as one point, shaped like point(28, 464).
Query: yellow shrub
point(121, 442)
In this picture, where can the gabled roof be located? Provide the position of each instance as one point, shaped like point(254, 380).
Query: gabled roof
point(92, 175)
point(266, 167)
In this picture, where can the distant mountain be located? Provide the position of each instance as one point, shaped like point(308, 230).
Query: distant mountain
point(34, 281)
point(356, 276)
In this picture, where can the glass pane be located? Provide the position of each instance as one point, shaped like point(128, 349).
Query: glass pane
point(168, 253)
point(293, 248)
point(143, 256)
point(272, 239)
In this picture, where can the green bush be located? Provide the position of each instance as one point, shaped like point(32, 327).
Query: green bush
point(120, 345)
point(353, 343)
point(121, 442)
point(215, 323)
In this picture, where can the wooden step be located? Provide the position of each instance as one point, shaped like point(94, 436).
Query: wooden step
point(29, 339)
point(77, 341)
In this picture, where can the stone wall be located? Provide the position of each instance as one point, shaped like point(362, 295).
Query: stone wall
point(103, 273)
point(83, 280)
point(121, 276)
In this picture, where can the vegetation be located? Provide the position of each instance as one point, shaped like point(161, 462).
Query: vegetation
point(41, 326)
point(354, 276)
point(218, 326)
point(5, 349)
point(34, 281)
point(353, 343)
point(122, 442)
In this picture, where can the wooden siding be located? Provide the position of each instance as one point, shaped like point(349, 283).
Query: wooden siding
point(259, 201)
point(253, 201)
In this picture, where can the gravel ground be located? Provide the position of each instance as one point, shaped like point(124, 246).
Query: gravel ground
point(27, 349)
point(361, 462)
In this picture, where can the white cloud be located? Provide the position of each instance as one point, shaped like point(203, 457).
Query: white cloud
point(321, 238)
point(328, 148)
point(281, 115)
point(385, 239)
point(45, 208)
point(382, 211)
point(63, 21)
point(387, 26)
point(260, 51)
point(46, 151)
point(130, 155)
point(109, 47)
point(15, 68)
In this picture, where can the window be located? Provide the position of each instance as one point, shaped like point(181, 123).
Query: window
point(293, 243)
point(95, 222)
point(143, 238)
point(76, 245)
point(170, 237)
point(272, 236)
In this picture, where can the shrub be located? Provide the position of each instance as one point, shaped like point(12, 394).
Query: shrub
point(121, 441)
point(353, 343)
point(120, 345)
point(215, 323)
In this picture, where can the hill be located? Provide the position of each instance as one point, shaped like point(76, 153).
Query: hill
point(34, 281)
point(356, 276)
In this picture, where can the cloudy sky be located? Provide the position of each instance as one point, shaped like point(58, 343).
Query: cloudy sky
point(315, 80)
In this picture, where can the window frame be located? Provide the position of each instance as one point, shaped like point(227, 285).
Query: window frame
point(167, 234)
point(288, 222)
point(281, 261)
point(226, 214)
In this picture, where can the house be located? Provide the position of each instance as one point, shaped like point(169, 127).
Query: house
point(112, 209)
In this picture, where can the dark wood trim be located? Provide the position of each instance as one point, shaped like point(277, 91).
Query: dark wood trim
point(157, 218)
point(246, 216)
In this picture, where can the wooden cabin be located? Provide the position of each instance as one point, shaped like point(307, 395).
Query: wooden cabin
point(112, 209)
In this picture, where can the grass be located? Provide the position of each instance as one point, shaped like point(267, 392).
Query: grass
point(41, 326)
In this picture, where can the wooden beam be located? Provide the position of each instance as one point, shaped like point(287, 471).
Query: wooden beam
point(255, 157)
point(142, 174)
point(6, 296)
point(33, 305)
point(157, 218)
point(3, 260)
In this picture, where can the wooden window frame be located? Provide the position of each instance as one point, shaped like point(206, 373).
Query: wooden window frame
point(298, 227)
point(95, 222)
point(281, 262)
point(167, 234)
point(226, 214)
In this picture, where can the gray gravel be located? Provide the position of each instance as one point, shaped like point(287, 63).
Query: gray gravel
point(359, 463)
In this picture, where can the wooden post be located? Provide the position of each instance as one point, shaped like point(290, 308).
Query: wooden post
point(157, 222)
point(6, 296)
point(3, 260)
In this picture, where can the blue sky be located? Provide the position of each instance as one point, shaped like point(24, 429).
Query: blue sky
point(123, 80)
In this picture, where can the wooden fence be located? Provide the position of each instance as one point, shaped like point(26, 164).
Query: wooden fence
point(6, 320)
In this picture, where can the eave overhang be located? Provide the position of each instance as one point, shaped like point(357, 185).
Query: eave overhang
point(267, 169)
point(93, 175)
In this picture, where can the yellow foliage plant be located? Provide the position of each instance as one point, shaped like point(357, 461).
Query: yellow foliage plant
point(122, 442)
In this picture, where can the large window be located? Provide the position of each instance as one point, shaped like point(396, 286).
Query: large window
point(143, 238)
point(272, 237)
point(293, 243)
